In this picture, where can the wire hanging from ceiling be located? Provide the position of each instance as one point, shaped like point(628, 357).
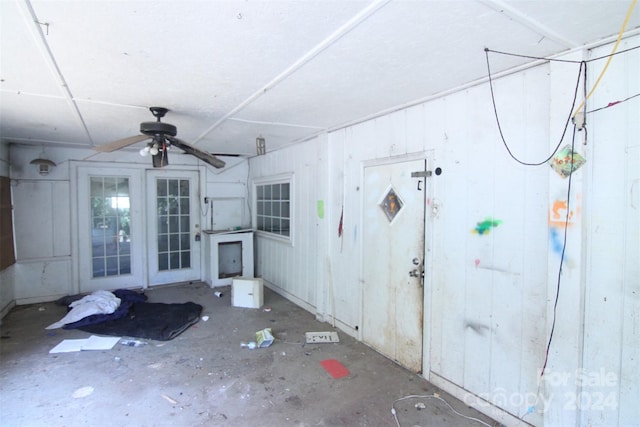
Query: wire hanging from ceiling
point(581, 70)
point(575, 113)
point(613, 104)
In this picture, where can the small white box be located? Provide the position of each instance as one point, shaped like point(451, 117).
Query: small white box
point(246, 292)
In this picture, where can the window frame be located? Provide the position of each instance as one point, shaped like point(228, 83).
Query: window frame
point(287, 178)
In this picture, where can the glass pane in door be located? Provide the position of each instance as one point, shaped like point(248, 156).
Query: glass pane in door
point(174, 224)
point(110, 226)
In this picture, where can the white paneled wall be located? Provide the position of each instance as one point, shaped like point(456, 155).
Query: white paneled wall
point(294, 269)
point(42, 214)
point(611, 358)
point(493, 246)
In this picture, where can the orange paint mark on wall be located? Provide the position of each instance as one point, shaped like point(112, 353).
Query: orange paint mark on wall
point(558, 214)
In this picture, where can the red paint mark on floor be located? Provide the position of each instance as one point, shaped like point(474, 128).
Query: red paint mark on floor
point(334, 368)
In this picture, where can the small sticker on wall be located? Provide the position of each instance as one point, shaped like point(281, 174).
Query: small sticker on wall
point(566, 161)
point(320, 208)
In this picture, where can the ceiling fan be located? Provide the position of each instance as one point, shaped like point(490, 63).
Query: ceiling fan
point(162, 135)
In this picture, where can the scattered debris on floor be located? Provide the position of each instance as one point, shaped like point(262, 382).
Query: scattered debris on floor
point(82, 392)
point(94, 342)
point(132, 342)
point(264, 338)
point(170, 400)
point(334, 368)
point(321, 337)
point(420, 405)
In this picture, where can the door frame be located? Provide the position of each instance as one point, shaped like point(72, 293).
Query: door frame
point(429, 214)
point(75, 169)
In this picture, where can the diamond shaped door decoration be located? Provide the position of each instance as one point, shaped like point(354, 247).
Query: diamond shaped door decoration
point(391, 204)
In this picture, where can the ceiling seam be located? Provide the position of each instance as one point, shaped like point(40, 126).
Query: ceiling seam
point(36, 31)
point(476, 82)
point(532, 24)
point(315, 51)
point(292, 125)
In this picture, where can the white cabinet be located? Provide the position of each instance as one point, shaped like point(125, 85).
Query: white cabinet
point(228, 254)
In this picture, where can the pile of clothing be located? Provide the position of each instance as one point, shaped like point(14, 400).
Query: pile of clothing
point(97, 307)
point(126, 313)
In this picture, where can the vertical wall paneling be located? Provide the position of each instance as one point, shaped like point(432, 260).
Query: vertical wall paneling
point(454, 230)
point(34, 234)
point(495, 235)
point(61, 232)
point(611, 358)
point(564, 353)
point(293, 268)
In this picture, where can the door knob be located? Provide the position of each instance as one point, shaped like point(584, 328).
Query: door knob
point(414, 273)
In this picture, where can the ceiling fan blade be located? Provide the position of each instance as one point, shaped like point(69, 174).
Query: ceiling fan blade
point(121, 143)
point(202, 155)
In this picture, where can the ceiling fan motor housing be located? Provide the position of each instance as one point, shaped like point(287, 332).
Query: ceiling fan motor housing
point(158, 128)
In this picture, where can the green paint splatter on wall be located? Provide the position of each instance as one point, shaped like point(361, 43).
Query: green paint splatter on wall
point(485, 226)
point(320, 208)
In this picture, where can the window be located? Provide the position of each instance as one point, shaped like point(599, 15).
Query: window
point(174, 224)
point(273, 207)
point(110, 226)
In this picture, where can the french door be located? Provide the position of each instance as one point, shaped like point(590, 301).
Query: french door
point(173, 226)
point(136, 228)
point(110, 232)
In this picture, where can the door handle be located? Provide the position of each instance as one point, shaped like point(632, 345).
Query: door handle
point(414, 273)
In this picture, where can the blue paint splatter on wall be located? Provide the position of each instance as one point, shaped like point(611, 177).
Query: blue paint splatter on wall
point(555, 240)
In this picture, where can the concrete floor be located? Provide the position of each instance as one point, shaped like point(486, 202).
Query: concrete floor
point(204, 377)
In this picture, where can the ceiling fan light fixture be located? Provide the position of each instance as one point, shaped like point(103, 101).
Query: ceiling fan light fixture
point(162, 137)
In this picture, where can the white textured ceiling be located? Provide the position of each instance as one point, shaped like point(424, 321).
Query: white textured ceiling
point(83, 73)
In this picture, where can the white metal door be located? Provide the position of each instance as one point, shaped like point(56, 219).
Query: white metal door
point(110, 228)
point(173, 226)
point(394, 207)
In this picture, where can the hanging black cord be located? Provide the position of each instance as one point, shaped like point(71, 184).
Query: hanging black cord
point(564, 247)
point(566, 125)
point(530, 57)
point(566, 227)
point(539, 58)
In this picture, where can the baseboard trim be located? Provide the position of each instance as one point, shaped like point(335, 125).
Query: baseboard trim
point(475, 402)
point(7, 308)
point(294, 299)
